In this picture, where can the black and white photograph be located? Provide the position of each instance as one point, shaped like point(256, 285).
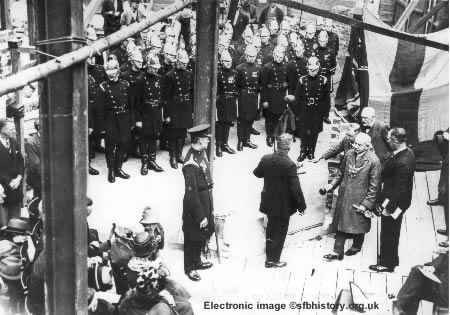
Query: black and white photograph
point(180, 157)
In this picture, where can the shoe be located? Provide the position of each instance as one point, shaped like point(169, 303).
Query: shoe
point(333, 257)
point(379, 268)
point(327, 120)
point(240, 146)
point(434, 202)
point(111, 176)
point(93, 171)
point(255, 132)
point(173, 162)
point(250, 145)
point(226, 148)
point(301, 157)
point(180, 159)
point(219, 150)
point(442, 232)
point(311, 156)
point(144, 168)
point(204, 265)
point(193, 275)
point(121, 174)
point(154, 167)
point(443, 244)
point(352, 252)
point(269, 141)
point(278, 264)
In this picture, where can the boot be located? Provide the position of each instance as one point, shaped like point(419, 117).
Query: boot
point(250, 145)
point(255, 132)
point(121, 174)
point(144, 167)
point(179, 151)
point(303, 154)
point(172, 150)
point(226, 148)
point(111, 176)
point(311, 154)
point(240, 146)
point(152, 163)
point(219, 149)
point(93, 171)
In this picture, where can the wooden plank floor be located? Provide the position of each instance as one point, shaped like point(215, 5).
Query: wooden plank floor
point(308, 278)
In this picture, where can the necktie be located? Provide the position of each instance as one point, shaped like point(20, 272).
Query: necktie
point(8, 147)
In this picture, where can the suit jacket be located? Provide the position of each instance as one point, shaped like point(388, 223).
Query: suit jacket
point(282, 194)
point(127, 17)
point(11, 165)
point(378, 134)
point(397, 178)
point(111, 22)
point(263, 16)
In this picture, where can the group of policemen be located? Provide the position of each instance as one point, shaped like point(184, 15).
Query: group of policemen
point(144, 93)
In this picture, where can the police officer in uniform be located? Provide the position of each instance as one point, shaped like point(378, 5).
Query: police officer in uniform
point(310, 41)
point(273, 91)
point(297, 67)
point(178, 92)
point(248, 84)
point(116, 99)
point(226, 103)
point(131, 76)
point(92, 99)
point(327, 59)
point(198, 210)
point(241, 46)
point(333, 38)
point(310, 96)
point(149, 113)
point(266, 47)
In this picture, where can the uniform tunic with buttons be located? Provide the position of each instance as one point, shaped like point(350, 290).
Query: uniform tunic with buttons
point(92, 97)
point(226, 95)
point(310, 95)
point(274, 86)
point(311, 46)
point(178, 103)
point(248, 84)
point(98, 73)
point(149, 103)
point(333, 42)
point(296, 68)
point(327, 59)
point(117, 102)
point(259, 59)
point(198, 199)
point(99, 76)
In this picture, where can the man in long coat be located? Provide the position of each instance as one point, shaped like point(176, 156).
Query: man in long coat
point(198, 210)
point(281, 197)
point(358, 178)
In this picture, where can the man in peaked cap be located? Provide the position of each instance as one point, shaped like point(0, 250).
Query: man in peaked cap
point(198, 210)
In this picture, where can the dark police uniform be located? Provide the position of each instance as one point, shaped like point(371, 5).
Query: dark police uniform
point(296, 68)
point(311, 46)
point(165, 68)
point(310, 96)
point(131, 77)
point(333, 42)
point(178, 106)
point(273, 91)
point(99, 76)
point(92, 100)
point(149, 110)
point(248, 84)
point(117, 102)
point(266, 51)
point(327, 59)
point(226, 104)
point(197, 205)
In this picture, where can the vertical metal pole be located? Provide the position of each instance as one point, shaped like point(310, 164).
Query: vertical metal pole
point(63, 105)
point(13, 46)
point(205, 81)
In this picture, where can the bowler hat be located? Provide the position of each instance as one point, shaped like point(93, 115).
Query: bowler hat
point(100, 277)
point(143, 244)
point(16, 226)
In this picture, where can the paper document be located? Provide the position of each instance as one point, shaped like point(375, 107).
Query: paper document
point(396, 213)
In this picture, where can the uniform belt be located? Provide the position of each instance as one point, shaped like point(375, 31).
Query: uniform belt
point(117, 111)
point(275, 86)
point(153, 103)
point(209, 187)
point(227, 95)
point(312, 101)
point(251, 90)
point(184, 97)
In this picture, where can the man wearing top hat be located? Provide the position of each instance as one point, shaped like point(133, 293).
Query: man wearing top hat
point(198, 211)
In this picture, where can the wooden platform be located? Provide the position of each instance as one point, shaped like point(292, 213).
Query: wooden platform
point(308, 278)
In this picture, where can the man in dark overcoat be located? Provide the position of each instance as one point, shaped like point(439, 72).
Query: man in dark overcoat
point(358, 179)
point(377, 130)
point(111, 12)
point(148, 99)
point(178, 105)
point(33, 150)
point(327, 59)
point(273, 91)
point(281, 197)
point(248, 84)
point(397, 178)
point(226, 103)
point(117, 102)
point(198, 210)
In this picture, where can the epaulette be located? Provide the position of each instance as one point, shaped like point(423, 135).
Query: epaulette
point(324, 79)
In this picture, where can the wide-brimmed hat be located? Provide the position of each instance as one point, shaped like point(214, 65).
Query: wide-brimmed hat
point(149, 216)
point(100, 277)
point(143, 244)
point(16, 226)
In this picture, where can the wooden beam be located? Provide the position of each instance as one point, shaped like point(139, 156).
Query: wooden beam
point(67, 60)
point(27, 50)
point(90, 11)
point(427, 16)
point(5, 14)
point(406, 14)
point(368, 27)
